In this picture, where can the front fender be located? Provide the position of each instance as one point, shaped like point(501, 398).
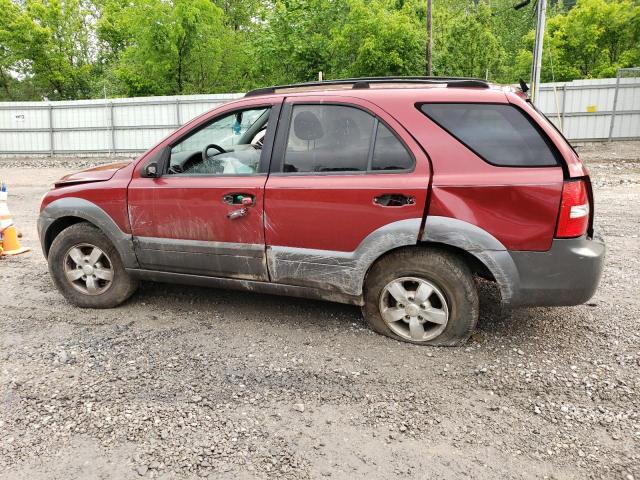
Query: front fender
point(73, 207)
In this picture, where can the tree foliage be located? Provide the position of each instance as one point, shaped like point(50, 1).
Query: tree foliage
point(376, 40)
point(596, 38)
point(158, 48)
point(47, 44)
point(66, 49)
point(472, 33)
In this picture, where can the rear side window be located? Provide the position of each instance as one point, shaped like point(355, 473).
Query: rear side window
point(339, 138)
point(328, 138)
point(501, 134)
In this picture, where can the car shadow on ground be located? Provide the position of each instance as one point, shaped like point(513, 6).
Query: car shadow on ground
point(273, 309)
point(242, 304)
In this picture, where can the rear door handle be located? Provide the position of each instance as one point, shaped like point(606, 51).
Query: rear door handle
point(394, 200)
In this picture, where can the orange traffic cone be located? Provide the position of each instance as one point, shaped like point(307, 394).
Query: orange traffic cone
point(9, 243)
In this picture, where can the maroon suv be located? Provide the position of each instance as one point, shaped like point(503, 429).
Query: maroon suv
point(391, 194)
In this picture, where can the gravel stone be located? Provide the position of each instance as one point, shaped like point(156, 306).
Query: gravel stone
point(183, 382)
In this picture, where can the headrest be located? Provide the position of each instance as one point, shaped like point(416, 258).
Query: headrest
point(345, 128)
point(306, 126)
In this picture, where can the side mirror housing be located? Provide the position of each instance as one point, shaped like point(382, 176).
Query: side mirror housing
point(157, 164)
point(151, 170)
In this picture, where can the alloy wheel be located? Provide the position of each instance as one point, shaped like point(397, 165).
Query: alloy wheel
point(88, 269)
point(414, 308)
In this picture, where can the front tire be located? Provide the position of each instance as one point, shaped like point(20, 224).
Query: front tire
point(87, 269)
point(421, 296)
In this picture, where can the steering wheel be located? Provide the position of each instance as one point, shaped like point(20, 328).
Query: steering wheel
point(176, 169)
point(205, 157)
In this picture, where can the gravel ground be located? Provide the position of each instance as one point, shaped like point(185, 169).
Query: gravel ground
point(184, 382)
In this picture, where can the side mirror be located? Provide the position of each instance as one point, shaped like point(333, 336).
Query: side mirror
point(151, 170)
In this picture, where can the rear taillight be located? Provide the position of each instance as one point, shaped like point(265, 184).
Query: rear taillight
point(574, 210)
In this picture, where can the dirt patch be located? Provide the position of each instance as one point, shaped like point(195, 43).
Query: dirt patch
point(184, 382)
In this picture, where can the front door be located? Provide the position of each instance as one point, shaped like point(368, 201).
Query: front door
point(204, 215)
point(347, 184)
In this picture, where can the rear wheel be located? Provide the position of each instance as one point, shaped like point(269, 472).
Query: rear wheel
point(421, 296)
point(87, 268)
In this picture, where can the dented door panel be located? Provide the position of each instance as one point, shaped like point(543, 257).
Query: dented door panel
point(182, 224)
point(326, 229)
point(208, 224)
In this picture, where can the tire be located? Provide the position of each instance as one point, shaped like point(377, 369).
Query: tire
point(79, 242)
point(453, 301)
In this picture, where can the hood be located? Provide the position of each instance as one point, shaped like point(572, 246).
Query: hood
point(96, 174)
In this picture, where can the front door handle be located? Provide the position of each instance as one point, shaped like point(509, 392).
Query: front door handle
point(241, 212)
point(394, 200)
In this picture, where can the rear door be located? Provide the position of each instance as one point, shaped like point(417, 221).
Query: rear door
point(204, 214)
point(347, 183)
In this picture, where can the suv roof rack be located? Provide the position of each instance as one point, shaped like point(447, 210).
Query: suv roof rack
point(365, 82)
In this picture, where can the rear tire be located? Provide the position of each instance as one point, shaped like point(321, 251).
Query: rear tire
point(87, 269)
point(421, 296)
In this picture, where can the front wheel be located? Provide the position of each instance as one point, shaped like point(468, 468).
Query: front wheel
point(421, 296)
point(87, 268)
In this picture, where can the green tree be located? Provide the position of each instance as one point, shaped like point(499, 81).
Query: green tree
point(8, 58)
point(591, 40)
point(47, 44)
point(298, 38)
point(66, 49)
point(469, 46)
point(239, 14)
point(376, 40)
point(293, 40)
point(160, 48)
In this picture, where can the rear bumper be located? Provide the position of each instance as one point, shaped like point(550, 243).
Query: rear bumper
point(566, 274)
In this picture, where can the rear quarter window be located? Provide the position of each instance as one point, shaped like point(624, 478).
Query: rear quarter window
point(500, 134)
point(389, 153)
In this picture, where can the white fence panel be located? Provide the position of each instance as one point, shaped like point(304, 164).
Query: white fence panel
point(132, 140)
point(582, 109)
point(14, 141)
point(72, 141)
point(97, 126)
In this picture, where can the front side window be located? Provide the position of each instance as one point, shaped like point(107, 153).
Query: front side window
point(338, 138)
point(230, 145)
point(500, 134)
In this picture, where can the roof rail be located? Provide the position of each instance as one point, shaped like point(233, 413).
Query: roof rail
point(365, 82)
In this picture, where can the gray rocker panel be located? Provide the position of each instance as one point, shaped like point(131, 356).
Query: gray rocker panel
point(246, 285)
point(238, 260)
point(339, 271)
